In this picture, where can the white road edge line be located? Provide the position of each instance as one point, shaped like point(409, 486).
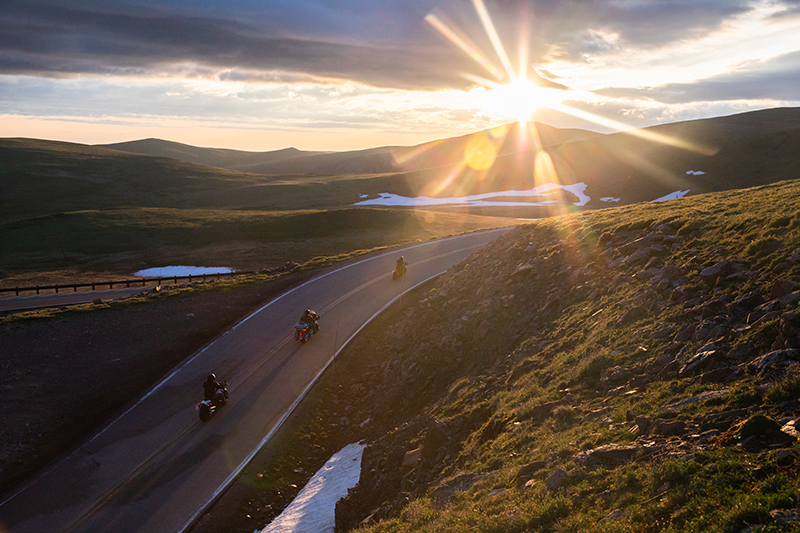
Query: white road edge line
point(198, 354)
point(297, 401)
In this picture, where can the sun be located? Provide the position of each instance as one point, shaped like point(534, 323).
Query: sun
point(520, 99)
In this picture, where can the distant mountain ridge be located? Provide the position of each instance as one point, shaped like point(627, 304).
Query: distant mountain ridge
point(40, 178)
point(385, 159)
point(214, 157)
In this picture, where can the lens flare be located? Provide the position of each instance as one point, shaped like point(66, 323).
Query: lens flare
point(480, 152)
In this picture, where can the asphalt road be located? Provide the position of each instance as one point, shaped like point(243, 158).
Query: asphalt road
point(156, 467)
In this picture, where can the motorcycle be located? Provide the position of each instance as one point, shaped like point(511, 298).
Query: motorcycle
point(399, 271)
point(206, 408)
point(303, 331)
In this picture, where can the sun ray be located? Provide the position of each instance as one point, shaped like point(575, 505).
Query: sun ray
point(643, 134)
point(454, 35)
point(488, 25)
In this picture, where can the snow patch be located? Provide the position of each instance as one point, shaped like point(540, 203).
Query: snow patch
point(695, 172)
point(609, 199)
point(672, 196)
point(363, 195)
point(485, 199)
point(171, 271)
point(313, 509)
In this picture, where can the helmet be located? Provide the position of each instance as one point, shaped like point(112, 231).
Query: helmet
point(211, 377)
point(308, 311)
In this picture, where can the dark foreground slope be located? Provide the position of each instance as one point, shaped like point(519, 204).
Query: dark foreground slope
point(631, 369)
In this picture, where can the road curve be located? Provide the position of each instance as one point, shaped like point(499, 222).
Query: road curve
point(157, 466)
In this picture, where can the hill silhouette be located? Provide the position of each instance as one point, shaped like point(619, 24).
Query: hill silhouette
point(696, 156)
point(290, 161)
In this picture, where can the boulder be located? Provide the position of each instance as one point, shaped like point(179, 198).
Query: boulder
point(616, 514)
point(782, 287)
point(595, 415)
point(609, 455)
point(742, 351)
point(698, 362)
point(668, 427)
point(778, 359)
point(785, 516)
point(556, 480)
point(643, 423)
point(715, 271)
point(526, 472)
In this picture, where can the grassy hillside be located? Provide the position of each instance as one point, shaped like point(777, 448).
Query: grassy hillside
point(124, 240)
point(630, 369)
point(608, 375)
point(733, 152)
point(45, 177)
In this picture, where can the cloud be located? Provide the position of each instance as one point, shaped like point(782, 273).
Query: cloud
point(57, 39)
point(384, 44)
point(777, 79)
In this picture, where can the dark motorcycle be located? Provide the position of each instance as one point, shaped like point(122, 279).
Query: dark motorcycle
point(399, 271)
point(206, 408)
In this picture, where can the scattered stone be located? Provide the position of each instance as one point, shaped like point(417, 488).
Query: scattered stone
point(778, 359)
point(785, 516)
point(556, 480)
point(526, 472)
point(791, 429)
point(616, 514)
point(668, 427)
point(608, 495)
point(607, 456)
point(703, 396)
point(412, 457)
point(595, 415)
point(742, 351)
point(698, 362)
point(643, 423)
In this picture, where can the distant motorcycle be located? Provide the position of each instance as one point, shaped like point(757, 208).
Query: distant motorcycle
point(206, 408)
point(400, 270)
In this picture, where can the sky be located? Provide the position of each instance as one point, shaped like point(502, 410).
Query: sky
point(351, 74)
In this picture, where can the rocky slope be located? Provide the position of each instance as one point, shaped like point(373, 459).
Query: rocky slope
point(631, 369)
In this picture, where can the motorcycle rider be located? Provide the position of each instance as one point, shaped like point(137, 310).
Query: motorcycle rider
point(213, 389)
point(310, 317)
point(401, 266)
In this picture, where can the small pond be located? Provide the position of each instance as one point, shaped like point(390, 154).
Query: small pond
point(172, 271)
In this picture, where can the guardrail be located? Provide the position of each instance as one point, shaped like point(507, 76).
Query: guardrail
point(126, 282)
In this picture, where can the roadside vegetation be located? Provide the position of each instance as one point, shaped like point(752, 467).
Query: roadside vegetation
point(116, 242)
point(630, 369)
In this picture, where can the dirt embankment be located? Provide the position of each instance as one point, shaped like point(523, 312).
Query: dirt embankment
point(62, 377)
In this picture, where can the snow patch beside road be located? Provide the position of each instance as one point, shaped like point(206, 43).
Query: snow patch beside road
point(313, 509)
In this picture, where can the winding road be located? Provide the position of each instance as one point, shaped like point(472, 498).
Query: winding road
point(157, 467)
